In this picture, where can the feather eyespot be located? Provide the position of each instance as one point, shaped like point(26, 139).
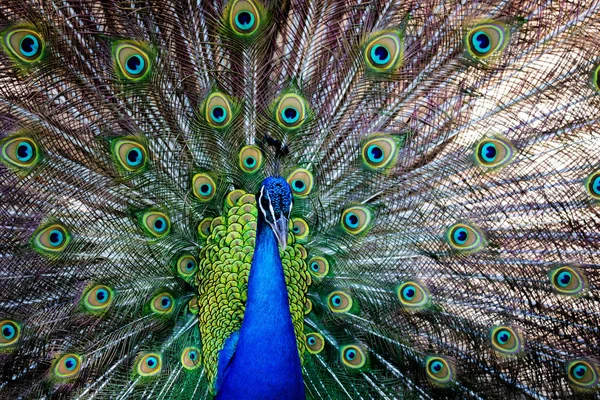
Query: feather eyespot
point(412, 295)
point(187, 266)
point(300, 229)
point(156, 224)
point(494, 152)
point(439, 370)
point(308, 306)
point(339, 302)
point(301, 182)
point(244, 17)
point(67, 366)
point(218, 110)
point(204, 227)
point(596, 78)
point(130, 154)
point(204, 187)
point(582, 374)
point(568, 280)
point(250, 159)
point(51, 240)
point(98, 298)
point(149, 364)
point(353, 356)
point(314, 343)
point(190, 358)
point(318, 267)
point(384, 52)
point(506, 340)
point(20, 153)
point(162, 303)
point(465, 238)
point(10, 332)
point(486, 39)
point(379, 152)
point(132, 61)
point(356, 220)
point(291, 111)
point(24, 45)
point(592, 185)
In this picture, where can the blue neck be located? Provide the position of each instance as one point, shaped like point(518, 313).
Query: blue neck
point(265, 364)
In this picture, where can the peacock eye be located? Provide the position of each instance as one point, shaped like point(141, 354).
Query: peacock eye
point(567, 280)
point(582, 374)
point(439, 370)
point(162, 303)
point(379, 152)
point(10, 331)
point(300, 229)
point(130, 154)
point(67, 366)
point(20, 152)
point(318, 267)
point(149, 364)
point(52, 239)
point(218, 110)
point(204, 227)
point(98, 298)
point(132, 62)
point(356, 219)
point(314, 343)
point(186, 266)
point(384, 52)
point(353, 356)
point(593, 185)
point(465, 238)
point(412, 295)
point(505, 340)
point(190, 358)
point(339, 302)
point(301, 182)
point(203, 187)
point(494, 152)
point(596, 78)
point(25, 44)
point(308, 306)
point(244, 17)
point(156, 224)
point(486, 39)
point(250, 159)
point(291, 111)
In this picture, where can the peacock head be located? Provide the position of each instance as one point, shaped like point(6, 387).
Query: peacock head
point(275, 203)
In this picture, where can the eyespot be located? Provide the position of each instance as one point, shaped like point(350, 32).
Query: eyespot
point(412, 295)
point(567, 280)
point(156, 224)
point(582, 373)
point(193, 306)
point(505, 340)
point(339, 302)
point(190, 358)
point(129, 154)
point(250, 159)
point(439, 370)
point(596, 78)
point(52, 239)
point(314, 343)
point(132, 62)
point(204, 228)
point(384, 52)
point(308, 306)
point(187, 266)
point(379, 152)
point(493, 152)
point(593, 185)
point(486, 39)
point(162, 303)
point(318, 267)
point(67, 366)
point(291, 111)
point(301, 182)
point(353, 356)
point(149, 364)
point(300, 229)
point(218, 111)
point(244, 17)
point(10, 332)
point(465, 238)
point(356, 219)
point(204, 187)
point(24, 44)
point(98, 298)
point(20, 152)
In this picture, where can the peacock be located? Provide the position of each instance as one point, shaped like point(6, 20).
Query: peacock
point(299, 199)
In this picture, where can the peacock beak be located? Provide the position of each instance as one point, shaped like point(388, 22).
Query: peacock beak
point(281, 231)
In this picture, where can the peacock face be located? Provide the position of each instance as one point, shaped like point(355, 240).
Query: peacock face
point(274, 201)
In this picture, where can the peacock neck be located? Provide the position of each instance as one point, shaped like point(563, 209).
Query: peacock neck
point(266, 363)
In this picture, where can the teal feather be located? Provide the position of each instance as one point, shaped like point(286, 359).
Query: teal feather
point(442, 158)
